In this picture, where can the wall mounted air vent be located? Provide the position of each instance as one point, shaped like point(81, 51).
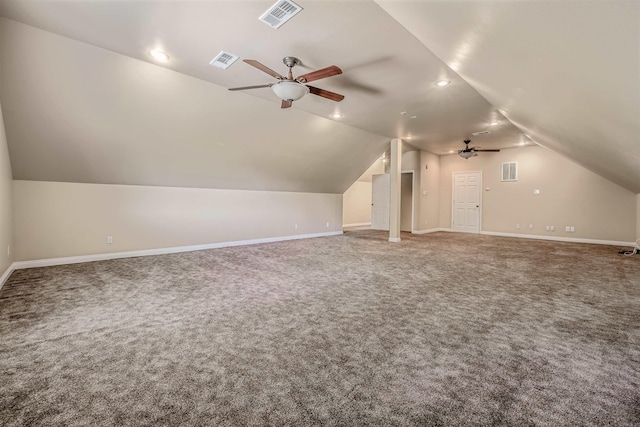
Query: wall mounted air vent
point(482, 132)
point(280, 13)
point(224, 60)
point(510, 171)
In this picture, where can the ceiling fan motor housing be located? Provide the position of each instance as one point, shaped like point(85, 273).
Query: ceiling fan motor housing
point(291, 61)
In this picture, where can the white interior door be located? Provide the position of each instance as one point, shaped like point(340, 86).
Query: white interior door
point(380, 201)
point(466, 201)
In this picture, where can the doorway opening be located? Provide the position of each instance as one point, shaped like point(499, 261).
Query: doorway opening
point(380, 194)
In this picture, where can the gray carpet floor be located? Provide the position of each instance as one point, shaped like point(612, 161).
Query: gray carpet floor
point(440, 329)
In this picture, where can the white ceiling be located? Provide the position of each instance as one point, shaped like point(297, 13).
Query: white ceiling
point(545, 65)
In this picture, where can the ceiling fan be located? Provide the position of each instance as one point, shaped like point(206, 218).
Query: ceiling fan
point(468, 152)
point(291, 89)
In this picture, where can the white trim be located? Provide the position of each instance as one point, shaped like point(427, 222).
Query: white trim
point(7, 273)
point(430, 230)
point(18, 265)
point(160, 251)
point(358, 224)
point(559, 239)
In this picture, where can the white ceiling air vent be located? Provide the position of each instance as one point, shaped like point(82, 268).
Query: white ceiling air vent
point(482, 132)
point(509, 171)
point(224, 60)
point(280, 13)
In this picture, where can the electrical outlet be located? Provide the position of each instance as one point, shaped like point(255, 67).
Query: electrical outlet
point(552, 228)
point(109, 240)
point(327, 224)
point(573, 229)
point(530, 226)
point(295, 226)
point(518, 226)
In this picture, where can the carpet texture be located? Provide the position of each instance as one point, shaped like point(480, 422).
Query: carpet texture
point(440, 329)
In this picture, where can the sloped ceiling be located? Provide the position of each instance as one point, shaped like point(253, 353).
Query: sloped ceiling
point(84, 102)
point(75, 113)
point(567, 73)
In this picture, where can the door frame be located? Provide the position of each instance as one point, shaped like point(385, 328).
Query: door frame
point(453, 193)
point(413, 195)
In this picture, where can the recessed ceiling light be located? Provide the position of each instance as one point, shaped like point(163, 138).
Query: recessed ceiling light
point(521, 143)
point(159, 55)
point(443, 83)
point(403, 112)
point(413, 117)
point(493, 123)
point(451, 151)
point(336, 115)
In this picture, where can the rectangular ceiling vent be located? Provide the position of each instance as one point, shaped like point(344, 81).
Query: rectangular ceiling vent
point(510, 171)
point(482, 132)
point(224, 60)
point(280, 13)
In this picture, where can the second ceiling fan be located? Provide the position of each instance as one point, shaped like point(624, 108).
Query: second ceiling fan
point(468, 152)
point(291, 89)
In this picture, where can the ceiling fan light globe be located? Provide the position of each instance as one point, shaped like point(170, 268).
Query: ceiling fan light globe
point(289, 90)
point(466, 154)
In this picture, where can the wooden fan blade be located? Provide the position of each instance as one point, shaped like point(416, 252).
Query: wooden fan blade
point(492, 150)
point(319, 74)
point(326, 94)
point(263, 68)
point(286, 104)
point(250, 87)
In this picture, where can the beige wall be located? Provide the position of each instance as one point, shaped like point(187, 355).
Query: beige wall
point(6, 203)
point(429, 191)
point(356, 201)
point(569, 196)
point(356, 204)
point(66, 219)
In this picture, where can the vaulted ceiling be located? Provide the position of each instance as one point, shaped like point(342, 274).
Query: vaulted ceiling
point(84, 102)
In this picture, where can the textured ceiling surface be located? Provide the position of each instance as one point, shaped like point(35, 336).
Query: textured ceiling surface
point(83, 101)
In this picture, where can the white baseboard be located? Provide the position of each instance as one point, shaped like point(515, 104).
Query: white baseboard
point(6, 274)
point(394, 239)
point(359, 224)
point(430, 230)
point(536, 237)
point(559, 239)
point(160, 251)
